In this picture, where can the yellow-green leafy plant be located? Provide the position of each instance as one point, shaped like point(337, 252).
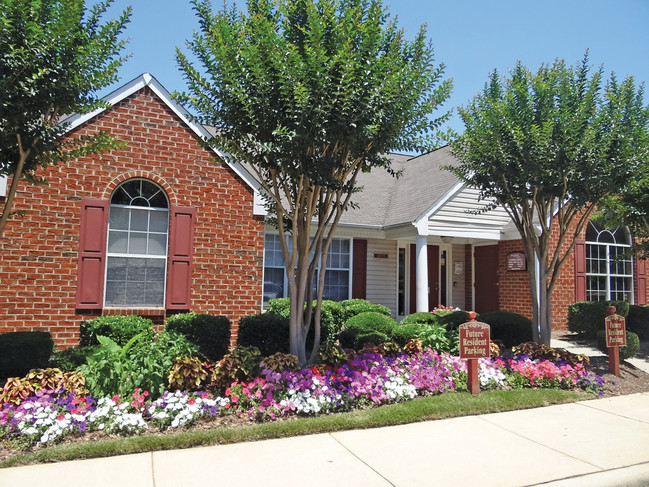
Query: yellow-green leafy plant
point(188, 374)
point(279, 362)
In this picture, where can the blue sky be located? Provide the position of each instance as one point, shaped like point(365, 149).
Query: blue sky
point(471, 37)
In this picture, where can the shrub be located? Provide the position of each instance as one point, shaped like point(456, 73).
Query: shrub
point(367, 327)
point(70, 359)
point(119, 328)
point(18, 389)
point(279, 362)
point(587, 317)
point(353, 307)
point(331, 316)
point(637, 321)
point(453, 320)
point(21, 351)
point(425, 317)
point(141, 363)
point(510, 328)
point(630, 350)
point(210, 333)
point(331, 353)
point(404, 332)
point(188, 374)
point(241, 364)
point(268, 332)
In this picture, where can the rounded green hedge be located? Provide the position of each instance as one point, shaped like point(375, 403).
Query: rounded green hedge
point(210, 333)
point(630, 350)
point(269, 332)
point(637, 321)
point(21, 351)
point(358, 327)
point(119, 328)
point(511, 328)
point(422, 317)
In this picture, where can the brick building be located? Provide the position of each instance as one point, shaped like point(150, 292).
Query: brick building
point(165, 225)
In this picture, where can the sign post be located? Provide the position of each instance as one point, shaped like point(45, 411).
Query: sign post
point(474, 344)
point(615, 338)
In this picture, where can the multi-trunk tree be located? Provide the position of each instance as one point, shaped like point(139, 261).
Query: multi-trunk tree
point(547, 147)
point(310, 93)
point(54, 58)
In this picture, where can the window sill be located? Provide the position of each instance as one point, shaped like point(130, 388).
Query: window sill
point(134, 311)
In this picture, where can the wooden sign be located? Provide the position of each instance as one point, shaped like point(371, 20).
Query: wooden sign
point(516, 261)
point(474, 340)
point(615, 331)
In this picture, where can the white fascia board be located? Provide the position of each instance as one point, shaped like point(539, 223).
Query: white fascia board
point(3, 185)
point(147, 79)
point(456, 188)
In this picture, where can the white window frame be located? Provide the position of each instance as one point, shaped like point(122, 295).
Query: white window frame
point(285, 283)
point(162, 256)
point(608, 262)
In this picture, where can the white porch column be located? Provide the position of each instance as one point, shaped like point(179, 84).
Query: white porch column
point(422, 274)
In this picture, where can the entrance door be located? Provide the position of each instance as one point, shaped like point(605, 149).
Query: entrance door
point(486, 278)
point(433, 277)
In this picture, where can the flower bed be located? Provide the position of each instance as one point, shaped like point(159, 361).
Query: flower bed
point(367, 380)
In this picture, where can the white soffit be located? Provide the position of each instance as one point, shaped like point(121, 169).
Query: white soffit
point(3, 185)
point(456, 216)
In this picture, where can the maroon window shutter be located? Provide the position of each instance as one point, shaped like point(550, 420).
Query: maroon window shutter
point(359, 269)
point(580, 270)
point(92, 254)
point(641, 271)
point(181, 251)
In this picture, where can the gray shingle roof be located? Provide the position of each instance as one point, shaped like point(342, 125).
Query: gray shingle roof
point(386, 201)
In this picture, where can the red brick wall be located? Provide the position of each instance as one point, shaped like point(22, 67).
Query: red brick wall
point(514, 288)
point(39, 252)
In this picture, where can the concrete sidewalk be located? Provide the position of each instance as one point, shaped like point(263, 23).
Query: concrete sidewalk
point(600, 442)
point(641, 363)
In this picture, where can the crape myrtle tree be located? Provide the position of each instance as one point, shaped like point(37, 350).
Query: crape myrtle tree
point(310, 93)
point(547, 147)
point(54, 57)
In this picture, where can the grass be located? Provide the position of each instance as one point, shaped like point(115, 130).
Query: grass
point(448, 405)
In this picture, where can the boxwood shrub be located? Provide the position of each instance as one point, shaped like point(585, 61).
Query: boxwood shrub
point(353, 307)
point(21, 351)
point(423, 317)
point(269, 332)
point(452, 321)
point(587, 317)
point(119, 328)
point(630, 350)
point(69, 359)
point(637, 321)
point(331, 320)
point(210, 333)
point(511, 328)
point(358, 328)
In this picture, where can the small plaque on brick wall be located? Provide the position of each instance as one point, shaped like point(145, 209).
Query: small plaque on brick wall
point(516, 262)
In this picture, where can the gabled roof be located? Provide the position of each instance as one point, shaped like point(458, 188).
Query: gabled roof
point(147, 80)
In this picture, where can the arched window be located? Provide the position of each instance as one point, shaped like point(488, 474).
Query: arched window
point(136, 253)
point(609, 275)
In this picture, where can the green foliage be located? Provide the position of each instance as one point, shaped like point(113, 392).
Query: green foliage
point(141, 362)
point(331, 353)
point(210, 333)
point(119, 328)
point(630, 350)
point(331, 320)
point(587, 317)
point(268, 332)
point(241, 364)
point(432, 335)
point(425, 317)
point(511, 328)
point(353, 307)
point(637, 321)
point(452, 321)
point(21, 351)
point(548, 146)
point(56, 57)
point(188, 374)
point(279, 362)
point(70, 359)
point(367, 327)
point(310, 93)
